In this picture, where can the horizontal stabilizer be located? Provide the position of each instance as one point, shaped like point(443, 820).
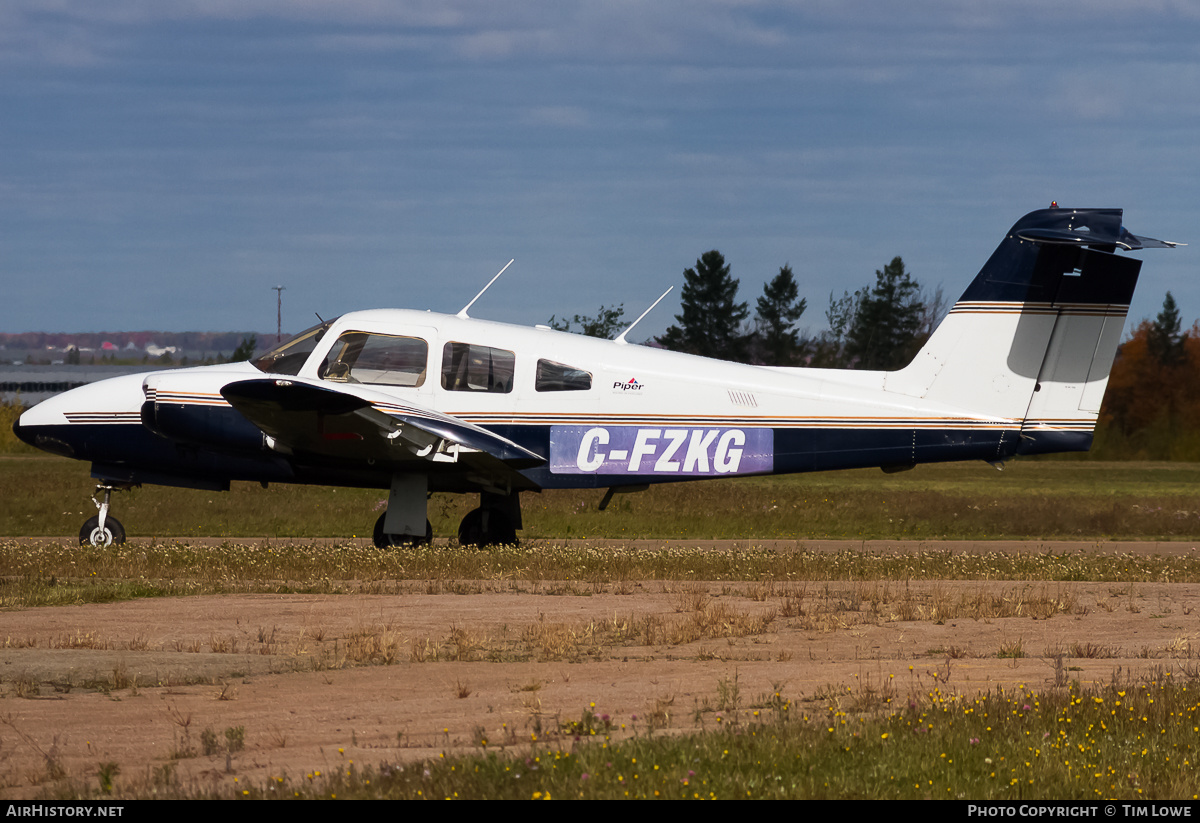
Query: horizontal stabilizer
point(1084, 237)
point(1098, 228)
point(1151, 243)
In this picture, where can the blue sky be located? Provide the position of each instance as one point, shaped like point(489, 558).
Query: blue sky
point(164, 164)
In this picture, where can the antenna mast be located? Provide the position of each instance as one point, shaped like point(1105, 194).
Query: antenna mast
point(463, 313)
point(278, 313)
point(621, 337)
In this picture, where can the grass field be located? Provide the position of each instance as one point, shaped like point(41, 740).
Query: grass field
point(1132, 738)
point(1031, 499)
point(1133, 741)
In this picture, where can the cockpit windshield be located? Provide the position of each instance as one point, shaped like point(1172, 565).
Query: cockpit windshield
point(289, 357)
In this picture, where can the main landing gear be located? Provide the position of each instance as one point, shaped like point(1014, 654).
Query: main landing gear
point(383, 540)
point(404, 523)
point(103, 529)
point(487, 526)
point(494, 523)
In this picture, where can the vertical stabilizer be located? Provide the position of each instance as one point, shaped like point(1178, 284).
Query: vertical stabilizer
point(1033, 337)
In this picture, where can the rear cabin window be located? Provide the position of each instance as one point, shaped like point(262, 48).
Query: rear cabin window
point(553, 376)
point(466, 367)
point(377, 359)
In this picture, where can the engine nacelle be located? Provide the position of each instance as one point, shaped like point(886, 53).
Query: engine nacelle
point(201, 418)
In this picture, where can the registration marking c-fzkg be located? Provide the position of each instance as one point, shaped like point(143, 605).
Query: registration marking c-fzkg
point(678, 451)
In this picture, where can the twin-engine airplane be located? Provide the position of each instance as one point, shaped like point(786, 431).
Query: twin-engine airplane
point(417, 402)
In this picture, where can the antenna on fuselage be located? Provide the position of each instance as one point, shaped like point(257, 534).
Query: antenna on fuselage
point(621, 337)
point(463, 313)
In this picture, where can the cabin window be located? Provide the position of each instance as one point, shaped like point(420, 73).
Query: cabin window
point(377, 359)
point(466, 367)
point(553, 376)
point(290, 356)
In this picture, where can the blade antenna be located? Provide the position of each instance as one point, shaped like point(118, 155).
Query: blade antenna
point(463, 313)
point(621, 341)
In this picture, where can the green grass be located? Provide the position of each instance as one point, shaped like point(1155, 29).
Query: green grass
point(1124, 741)
point(1133, 742)
point(9, 444)
point(1030, 499)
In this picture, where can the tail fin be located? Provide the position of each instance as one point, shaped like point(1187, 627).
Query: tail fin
point(1032, 339)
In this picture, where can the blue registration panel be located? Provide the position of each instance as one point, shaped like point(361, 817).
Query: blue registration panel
point(678, 452)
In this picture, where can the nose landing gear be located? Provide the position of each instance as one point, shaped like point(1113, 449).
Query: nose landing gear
point(102, 530)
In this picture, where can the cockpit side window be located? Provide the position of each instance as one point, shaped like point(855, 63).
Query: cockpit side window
point(553, 376)
point(467, 367)
point(289, 357)
point(377, 359)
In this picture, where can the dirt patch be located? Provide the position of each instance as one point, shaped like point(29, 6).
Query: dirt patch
point(313, 682)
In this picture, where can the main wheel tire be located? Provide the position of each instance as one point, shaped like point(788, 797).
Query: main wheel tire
point(112, 535)
point(387, 541)
point(486, 527)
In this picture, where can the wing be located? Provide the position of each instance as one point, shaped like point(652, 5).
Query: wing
point(359, 424)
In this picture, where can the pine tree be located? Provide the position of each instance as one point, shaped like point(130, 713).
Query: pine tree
point(245, 349)
point(711, 321)
point(884, 332)
point(777, 312)
point(1163, 339)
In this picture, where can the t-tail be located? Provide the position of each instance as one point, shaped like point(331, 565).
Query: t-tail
point(1034, 336)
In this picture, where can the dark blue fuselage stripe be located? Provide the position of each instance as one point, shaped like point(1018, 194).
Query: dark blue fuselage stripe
point(796, 450)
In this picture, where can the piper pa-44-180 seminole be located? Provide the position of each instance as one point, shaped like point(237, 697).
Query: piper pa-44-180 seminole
point(418, 402)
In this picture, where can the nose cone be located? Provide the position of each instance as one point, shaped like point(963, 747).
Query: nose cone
point(22, 432)
point(66, 423)
point(45, 427)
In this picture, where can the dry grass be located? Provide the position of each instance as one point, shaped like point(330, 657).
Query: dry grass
point(689, 617)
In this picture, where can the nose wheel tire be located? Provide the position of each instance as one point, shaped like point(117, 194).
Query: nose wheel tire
point(385, 541)
point(113, 533)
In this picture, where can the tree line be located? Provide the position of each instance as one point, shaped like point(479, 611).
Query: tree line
point(1151, 409)
point(876, 327)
